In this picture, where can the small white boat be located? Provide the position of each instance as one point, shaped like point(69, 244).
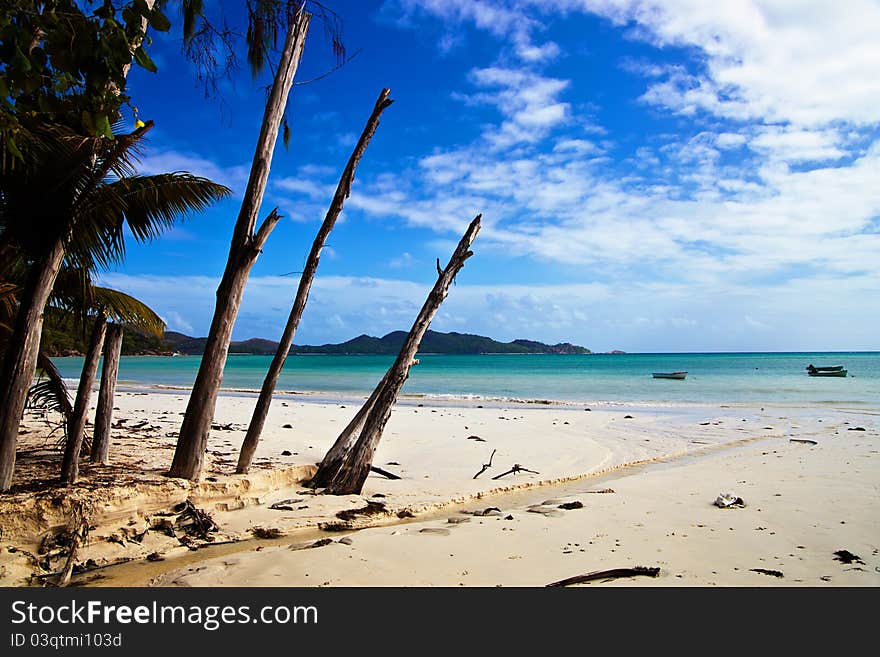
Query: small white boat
point(678, 376)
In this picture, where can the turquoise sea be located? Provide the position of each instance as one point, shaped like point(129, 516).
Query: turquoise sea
point(771, 378)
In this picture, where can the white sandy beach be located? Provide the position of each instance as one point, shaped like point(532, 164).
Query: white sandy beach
point(803, 502)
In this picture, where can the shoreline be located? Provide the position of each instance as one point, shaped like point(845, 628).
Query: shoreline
point(469, 400)
point(436, 447)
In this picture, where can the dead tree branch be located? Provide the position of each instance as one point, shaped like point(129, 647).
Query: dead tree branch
point(349, 476)
point(343, 191)
point(486, 466)
point(516, 468)
point(608, 574)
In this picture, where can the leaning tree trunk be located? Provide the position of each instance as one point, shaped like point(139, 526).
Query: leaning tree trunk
point(333, 460)
point(343, 191)
point(350, 476)
point(104, 412)
point(246, 246)
point(76, 425)
point(20, 360)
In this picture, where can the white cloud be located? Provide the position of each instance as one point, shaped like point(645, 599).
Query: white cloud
point(601, 316)
point(164, 161)
point(405, 259)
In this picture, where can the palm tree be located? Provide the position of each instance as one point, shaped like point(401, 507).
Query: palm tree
point(69, 203)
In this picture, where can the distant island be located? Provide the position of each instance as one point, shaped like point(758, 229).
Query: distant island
point(71, 344)
point(390, 344)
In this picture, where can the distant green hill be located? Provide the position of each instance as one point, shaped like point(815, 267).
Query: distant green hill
point(433, 343)
point(440, 343)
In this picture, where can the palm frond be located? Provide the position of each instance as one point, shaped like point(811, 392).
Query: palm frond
point(125, 309)
point(148, 204)
point(49, 392)
point(8, 296)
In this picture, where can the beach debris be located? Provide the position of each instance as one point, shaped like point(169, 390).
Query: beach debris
point(802, 440)
point(488, 511)
point(486, 466)
point(477, 438)
point(765, 571)
point(372, 509)
point(284, 505)
point(516, 468)
point(224, 427)
point(547, 511)
point(194, 521)
point(384, 473)
point(568, 506)
point(613, 573)
point(78, 531)
point(847, 557)
point(602, 491)
point(434, 530)
point(856, 429)
point(266, 532)
point(728, 501)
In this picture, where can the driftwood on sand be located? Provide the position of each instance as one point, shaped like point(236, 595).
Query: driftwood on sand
point(608, 574)
point(384, 473)
point(486, 466)
point(516, 468)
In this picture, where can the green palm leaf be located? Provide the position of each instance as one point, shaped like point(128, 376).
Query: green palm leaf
point(49, 392)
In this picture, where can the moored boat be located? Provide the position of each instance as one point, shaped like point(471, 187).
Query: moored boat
point(836, 370)
point(679, 376)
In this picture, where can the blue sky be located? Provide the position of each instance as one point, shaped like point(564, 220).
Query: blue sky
point(669, 175)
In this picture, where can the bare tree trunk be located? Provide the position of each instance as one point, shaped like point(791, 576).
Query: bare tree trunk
point(351, 475)
point(333, 460)
point(246, 246)
point(76, 425)
point(104, 412)
point(343, 191)
point(20, 360)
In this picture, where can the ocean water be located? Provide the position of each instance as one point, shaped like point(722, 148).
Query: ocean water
point(770, 378)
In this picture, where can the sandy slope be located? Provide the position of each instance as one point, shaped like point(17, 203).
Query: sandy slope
point(660, 516)
point(803, 503)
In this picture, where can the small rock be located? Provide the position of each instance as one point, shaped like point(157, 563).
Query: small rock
point(287, 426)
point(155, 556)
point(728, 501)
point(286, 452)
point(457, 520)
point(568, 506)
point(346, 540)
point(845, 556)
point(434, 530)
